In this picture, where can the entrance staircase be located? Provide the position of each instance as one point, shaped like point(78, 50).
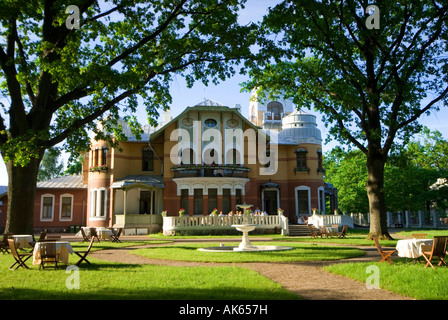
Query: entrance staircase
point(296, 230)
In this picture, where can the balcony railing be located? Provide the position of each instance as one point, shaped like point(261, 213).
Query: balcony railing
point(272, 117)
point(196, 171)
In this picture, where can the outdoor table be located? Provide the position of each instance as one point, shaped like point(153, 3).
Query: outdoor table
point(64, 248)
point(104, 234)
point(332, 231)
point(411, 248)
point(23, 241)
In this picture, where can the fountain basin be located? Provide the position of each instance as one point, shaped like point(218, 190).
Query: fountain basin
point(245, 245)
point(251, 249)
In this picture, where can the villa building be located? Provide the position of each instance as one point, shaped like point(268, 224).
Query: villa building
point(208, 157)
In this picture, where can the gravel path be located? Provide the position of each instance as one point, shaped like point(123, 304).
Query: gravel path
point(306, 279)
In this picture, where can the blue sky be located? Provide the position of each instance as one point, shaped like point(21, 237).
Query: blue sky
point(228, 92)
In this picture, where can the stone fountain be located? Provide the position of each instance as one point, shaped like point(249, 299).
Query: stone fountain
point(245, 244)
point(245, 228)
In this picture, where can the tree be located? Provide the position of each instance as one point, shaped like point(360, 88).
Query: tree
point(50, 167)
point(59, 80)
point(372, 85)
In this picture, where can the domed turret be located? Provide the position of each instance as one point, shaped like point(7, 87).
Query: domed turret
point(300, 127)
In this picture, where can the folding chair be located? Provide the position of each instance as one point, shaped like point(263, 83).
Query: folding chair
point(48, 254)
point(385, 254)
point(20, 258)
point(116, 236)
point(438, 250)
point(42, 236)
point(419, 235)
point(94, 234)
point(4, 245)
point(53, 238)
point(314, 232)
point(83, 254)
point(323, 232)
point(343, 232)
point(84, 235)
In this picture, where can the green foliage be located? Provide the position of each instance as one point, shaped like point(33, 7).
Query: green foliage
point(369, 84)
point(59, 82)
point(50, 167)
point(409, 173)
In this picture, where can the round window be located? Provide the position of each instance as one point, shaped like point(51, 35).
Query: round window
point(210, 123)
point(232, 123)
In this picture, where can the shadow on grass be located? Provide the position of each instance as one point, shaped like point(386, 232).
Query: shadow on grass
point(222, 293)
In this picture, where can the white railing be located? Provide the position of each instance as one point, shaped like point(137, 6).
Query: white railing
point(173, 224)
point(328, 220)
point(137, 219)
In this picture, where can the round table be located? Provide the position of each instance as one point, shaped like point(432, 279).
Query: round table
point(411, 248)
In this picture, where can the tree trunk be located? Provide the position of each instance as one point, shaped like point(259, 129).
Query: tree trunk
point(375, 193)
point(21, 194)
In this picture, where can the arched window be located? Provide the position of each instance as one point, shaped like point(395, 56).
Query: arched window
point(275, 109)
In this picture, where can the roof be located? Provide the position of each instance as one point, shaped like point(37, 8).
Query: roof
point(206, 105)
point(66, 182)
point(209, 103)
point(152, 181)
point(3, 190)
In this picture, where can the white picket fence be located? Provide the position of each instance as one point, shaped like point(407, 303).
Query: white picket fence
point(204, 223)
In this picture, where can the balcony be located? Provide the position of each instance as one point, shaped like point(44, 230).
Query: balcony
point(197, 171)
point(272, 117)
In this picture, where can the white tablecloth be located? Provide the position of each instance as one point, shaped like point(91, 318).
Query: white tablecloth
point(64, 248)
point(104, 234)
point(411, 248)
point(23, 241)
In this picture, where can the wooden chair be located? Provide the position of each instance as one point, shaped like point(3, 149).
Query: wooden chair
point(42, 236)
point(438, 250)
point(314, 232)
point(83, 254)
point(48, 254)
point(84, 235)
point(419, 235)
point(323, 232)
point(4, 245)
point(343, 232)
point(385, 254)
point(20, 258)
point(53, 238)
point(94, 234)
point(116, 236)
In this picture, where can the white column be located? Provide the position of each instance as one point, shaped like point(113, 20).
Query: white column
point(420, 219)
point(407, 215)
point(435, 218)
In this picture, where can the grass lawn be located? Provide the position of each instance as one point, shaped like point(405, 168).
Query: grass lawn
point(404, 277)
point(107, 280)
point(301, 252)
